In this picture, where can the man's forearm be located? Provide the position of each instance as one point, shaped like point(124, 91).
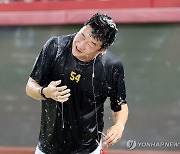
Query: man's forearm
point(120, 118)
point(33, 89)
point(115, 132)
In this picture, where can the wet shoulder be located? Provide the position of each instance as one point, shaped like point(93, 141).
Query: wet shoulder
point(56, 44)
point(112, 61)
point(61, 40)
point(50, 42)
point(65, 40)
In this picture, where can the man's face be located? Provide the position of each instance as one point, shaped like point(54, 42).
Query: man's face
point(85, 47)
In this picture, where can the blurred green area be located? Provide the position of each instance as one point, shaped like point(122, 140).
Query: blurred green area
point(151, 57)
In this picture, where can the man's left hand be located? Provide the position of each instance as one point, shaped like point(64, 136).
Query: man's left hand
point(113, 134)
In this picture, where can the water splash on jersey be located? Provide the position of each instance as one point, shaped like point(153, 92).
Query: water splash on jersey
point(94, 97)
point(62, 112)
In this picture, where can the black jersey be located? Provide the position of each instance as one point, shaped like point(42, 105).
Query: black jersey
point(73, 127)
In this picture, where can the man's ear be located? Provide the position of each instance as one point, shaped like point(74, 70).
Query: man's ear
point(103, 50)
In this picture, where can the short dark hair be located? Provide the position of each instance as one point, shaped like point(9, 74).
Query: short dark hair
point(104, 29)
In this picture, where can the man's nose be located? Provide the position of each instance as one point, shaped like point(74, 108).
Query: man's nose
point(82, 45)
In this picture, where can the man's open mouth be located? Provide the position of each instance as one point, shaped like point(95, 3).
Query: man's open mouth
point(78, 50)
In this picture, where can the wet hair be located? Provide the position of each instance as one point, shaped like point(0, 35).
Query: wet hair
point(104, 29)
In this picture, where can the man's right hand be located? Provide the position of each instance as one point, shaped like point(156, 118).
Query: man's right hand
point(60, 94)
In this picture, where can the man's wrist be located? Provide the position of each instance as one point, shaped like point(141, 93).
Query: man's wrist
point(43, 96)
point(121, 126)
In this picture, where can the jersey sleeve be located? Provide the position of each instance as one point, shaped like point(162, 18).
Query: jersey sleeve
point(42, 66)
point(118, 91)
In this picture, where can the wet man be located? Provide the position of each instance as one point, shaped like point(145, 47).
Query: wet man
point(72, 76)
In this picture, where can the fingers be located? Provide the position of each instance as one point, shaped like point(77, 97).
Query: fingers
point(113, 135)
point(56, 83)
point(112, 139)
point(109, 138)
point(60, 89)
point(64, 92)
point(63, 96)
